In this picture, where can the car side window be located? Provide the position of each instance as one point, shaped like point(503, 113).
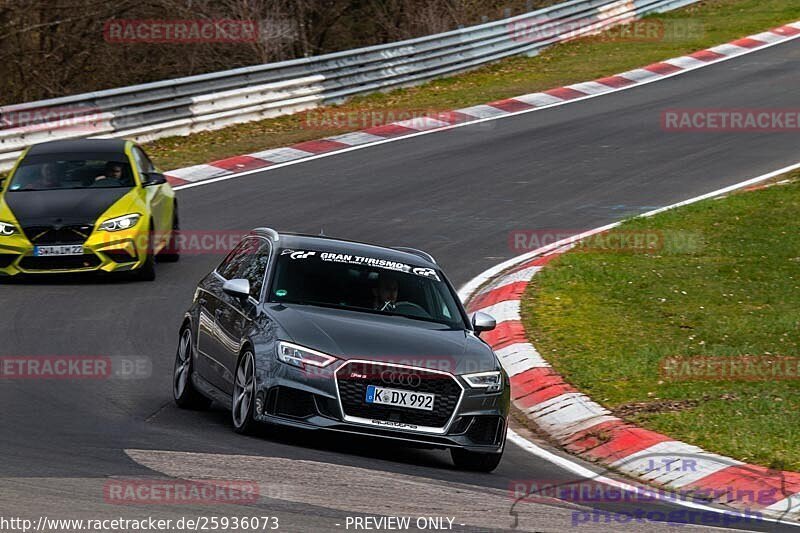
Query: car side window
point(248, 260)
point(232, 263)
point(147, 161)
point(143, 164)
point(255, 270)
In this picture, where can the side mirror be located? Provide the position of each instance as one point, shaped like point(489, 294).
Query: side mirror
point(483, 322)
point(238, 288)
point(153, 178)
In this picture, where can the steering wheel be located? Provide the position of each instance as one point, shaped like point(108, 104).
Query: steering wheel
point(107, 182)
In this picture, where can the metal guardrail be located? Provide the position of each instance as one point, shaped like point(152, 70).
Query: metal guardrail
point(212, 101)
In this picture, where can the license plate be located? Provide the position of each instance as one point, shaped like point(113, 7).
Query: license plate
point(67, 249)
point(400, 398)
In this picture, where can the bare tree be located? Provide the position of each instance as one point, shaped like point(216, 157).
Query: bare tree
point(53, 48)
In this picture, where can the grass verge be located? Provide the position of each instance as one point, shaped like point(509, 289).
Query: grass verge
point(725, 283)
point(689, 29)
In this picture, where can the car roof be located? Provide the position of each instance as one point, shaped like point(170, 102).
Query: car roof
point(111, 146)
point(293, 241)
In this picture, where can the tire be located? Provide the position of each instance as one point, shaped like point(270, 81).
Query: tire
point(475, 461)
point(147, 272)
point(244, 394)
point(183, 390)
point(171, 253)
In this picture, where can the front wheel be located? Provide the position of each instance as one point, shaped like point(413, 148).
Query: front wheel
point(183, 390)
point(475, 461)
point(147, 272)
point(244, 393)
point(171, 253)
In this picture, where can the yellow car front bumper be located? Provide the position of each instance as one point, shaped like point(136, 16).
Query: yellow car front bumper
point(103, 251)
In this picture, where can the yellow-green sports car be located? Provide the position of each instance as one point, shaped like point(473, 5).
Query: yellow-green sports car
point(86, 205)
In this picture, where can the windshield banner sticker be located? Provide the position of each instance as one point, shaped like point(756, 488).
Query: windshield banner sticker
point(298, 254)
point(426, 272)
point(378, 263)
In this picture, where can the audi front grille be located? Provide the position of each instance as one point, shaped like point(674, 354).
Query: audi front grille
point(354, 377)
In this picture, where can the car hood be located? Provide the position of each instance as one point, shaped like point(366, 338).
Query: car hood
point(78, 206)
point(359, 335)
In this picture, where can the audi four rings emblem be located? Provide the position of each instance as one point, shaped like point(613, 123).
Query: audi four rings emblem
point(391, 377)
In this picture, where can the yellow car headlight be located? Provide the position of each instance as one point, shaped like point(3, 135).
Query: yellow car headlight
point(120, 223)
point(7, 229)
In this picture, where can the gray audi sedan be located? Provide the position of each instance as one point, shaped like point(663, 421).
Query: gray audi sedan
point(320, 333)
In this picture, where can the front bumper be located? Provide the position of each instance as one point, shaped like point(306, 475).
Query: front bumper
point(477, 423)
point(106, 252)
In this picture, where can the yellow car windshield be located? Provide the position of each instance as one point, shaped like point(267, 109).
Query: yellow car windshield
point(44, 173)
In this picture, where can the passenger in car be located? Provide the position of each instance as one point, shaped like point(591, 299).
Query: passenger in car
point(48, 179)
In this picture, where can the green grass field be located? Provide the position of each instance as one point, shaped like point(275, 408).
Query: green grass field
point(726, 284)
point(707, 24)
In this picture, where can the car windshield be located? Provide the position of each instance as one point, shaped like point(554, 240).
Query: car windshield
point(346, 281)
point(61, 171)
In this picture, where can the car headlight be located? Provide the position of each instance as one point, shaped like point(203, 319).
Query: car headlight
point(7, 229)
point(120, 223)
point(300, 356)
point(491, 381)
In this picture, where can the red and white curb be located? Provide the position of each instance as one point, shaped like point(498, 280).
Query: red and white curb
point(585, 428)
point(480, 113)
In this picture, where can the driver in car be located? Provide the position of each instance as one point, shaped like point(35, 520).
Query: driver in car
point(385, 294)
point(112, 171)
